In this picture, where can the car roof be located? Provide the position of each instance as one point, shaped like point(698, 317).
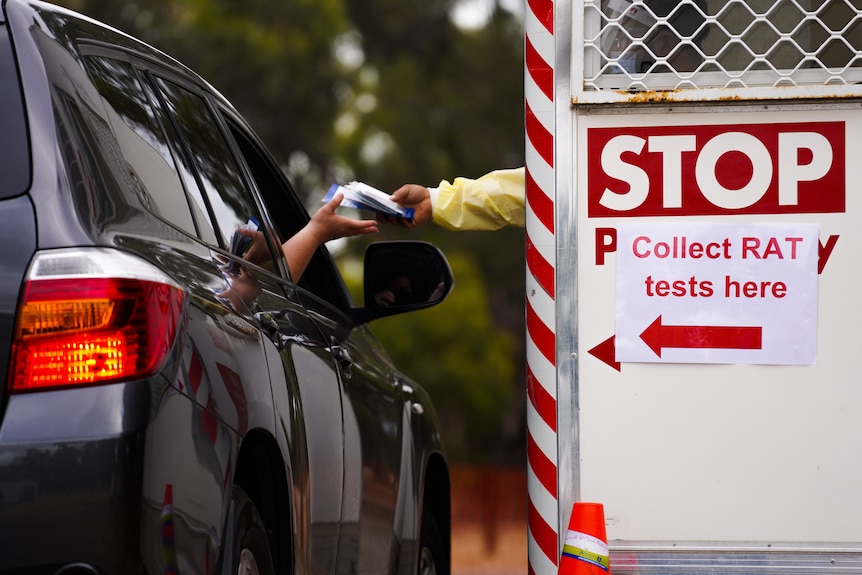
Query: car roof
point(87, 30)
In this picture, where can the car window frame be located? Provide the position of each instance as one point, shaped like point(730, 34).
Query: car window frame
point(95, 49)
point(148, 70)
point(16, 159)
point(218, 110)
point(194, 89)
point(142, 65)
point(322, 266)
point(89, 47)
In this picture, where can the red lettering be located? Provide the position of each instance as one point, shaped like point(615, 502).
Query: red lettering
point(606, 242)
point(636, 250)
point(793, 243)
point(733, 288)
point(824, 252)
point(772, 249)
point(750, 245)
point(678, 288)
point(642, 171)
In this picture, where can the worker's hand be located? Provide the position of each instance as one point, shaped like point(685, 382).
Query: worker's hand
point(410, 196)
point(326, 225)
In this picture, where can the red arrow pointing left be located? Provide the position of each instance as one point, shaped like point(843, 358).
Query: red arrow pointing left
point(606, 352)
point(658, 336)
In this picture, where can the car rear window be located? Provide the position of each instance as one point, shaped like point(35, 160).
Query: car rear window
point(152, 172)
point(14, 145)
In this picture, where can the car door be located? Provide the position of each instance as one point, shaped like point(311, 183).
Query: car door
point(370, 397)
point(306, 386)
point(373, 413)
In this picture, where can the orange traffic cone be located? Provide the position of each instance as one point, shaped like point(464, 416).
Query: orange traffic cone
point(585, 551)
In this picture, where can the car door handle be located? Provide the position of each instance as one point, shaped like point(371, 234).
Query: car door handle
point(342, 357)
point(267, 323)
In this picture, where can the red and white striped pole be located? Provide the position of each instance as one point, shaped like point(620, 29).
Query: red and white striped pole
point(543, 551)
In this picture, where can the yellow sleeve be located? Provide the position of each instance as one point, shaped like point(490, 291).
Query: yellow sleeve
point(493, 201)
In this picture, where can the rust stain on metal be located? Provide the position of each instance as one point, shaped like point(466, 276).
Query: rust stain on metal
point(652, 97)
point(689, 95)
point(668, 96)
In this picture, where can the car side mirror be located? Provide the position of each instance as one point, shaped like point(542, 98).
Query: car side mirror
point(402, 276)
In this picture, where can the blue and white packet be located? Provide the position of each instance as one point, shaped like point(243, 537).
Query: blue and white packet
point(364, 197)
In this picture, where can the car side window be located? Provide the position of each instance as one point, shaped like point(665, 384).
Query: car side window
point(148, 165)
point(288, 215)
point(229, 202)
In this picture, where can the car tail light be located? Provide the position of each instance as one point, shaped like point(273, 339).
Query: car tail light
point(92, 316)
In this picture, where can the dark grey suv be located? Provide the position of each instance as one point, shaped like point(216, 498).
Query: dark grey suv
point(169, 406)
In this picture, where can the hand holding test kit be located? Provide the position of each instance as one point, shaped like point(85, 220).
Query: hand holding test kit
point(364, 197)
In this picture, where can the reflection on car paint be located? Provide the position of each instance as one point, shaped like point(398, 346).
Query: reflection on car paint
point(167, 543)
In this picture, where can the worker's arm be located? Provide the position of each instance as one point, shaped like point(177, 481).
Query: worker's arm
point(493, 201)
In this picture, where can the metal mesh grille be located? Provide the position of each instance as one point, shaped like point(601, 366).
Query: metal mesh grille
point(640, 45)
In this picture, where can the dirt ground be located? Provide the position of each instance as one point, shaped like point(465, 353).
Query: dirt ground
point(471, 555)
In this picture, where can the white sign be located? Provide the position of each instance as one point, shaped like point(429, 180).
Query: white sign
point(717, 293)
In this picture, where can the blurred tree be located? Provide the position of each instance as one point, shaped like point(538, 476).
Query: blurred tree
point(445, 102)
point(272, 60)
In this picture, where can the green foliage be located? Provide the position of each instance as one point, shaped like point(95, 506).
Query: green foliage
point(451, 101)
